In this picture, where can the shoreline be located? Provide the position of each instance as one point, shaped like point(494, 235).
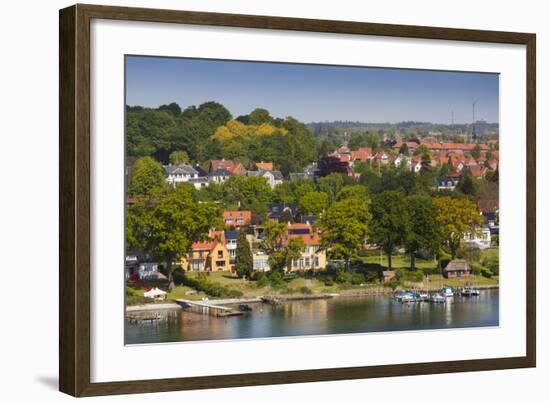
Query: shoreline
point(280, 298)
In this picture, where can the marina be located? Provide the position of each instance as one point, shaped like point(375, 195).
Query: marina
point(333, 315)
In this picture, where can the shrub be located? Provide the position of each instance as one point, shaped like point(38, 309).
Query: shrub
point(263, 281)
point(342, 277)
point(410, 275)
point(329, 282)
point(492, 264)
point(276, 279)
point(481, 270)
point(305, 290)
point(357, 279)
point(392, 284)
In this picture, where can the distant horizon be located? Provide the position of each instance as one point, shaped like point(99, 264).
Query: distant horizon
point(315, 93)
point(320, 121)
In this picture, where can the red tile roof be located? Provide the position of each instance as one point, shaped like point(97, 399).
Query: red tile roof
point(246, 215)
point(264, 166)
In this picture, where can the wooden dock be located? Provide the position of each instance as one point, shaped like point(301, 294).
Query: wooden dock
point(207, 307)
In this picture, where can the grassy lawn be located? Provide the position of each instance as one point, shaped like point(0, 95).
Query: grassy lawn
point(404, 261)
point(436, 281)
point(399, 261)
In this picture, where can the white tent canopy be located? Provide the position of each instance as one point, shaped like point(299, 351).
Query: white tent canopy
point(155, 293)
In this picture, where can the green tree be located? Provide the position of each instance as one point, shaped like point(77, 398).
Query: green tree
point(466, 183)
point(259, 116)
point(178, 157)
point(167, 222)
point(344, 228)
point(146, 175)
point(332, 184)
point(404, 149)
point(293, 250)
point(390, 223)
point(476, 152)
point(243, 259)
point(456, 218)
point(273, 244)
point(173, 108)
point(149, 133)
point(426, 163)
point(353, 191)
point(313, 203)
point(424, 228)
point(421, 150)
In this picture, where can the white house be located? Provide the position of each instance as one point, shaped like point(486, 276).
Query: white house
point(260, 261)
point(273, 178)
point(178, 174)
point(481, 239)
point(219, 176)
point(231, 244)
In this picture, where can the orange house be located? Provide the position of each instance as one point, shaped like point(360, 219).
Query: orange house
point(207, 256)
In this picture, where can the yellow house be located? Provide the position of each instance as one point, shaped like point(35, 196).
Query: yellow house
point(208, 256)
point(312, 256)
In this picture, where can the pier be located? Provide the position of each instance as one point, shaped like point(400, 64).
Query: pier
point(207, 307)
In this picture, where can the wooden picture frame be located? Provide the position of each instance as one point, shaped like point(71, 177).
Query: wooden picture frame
point(74, 203)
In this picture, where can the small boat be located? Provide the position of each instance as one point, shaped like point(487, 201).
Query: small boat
point(423, 296)
point(400, 294)
point(438, 299)
point(408, 297)
point(447, 292)
point(245, 308)
point(469, 292)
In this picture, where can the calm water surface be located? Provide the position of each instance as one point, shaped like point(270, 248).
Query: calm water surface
point(325, 316)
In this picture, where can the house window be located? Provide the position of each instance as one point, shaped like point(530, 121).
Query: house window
point(220, 254)
point(316, 261)
point(220, 263)
point(307, 261)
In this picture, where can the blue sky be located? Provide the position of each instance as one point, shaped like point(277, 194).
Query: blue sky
point(313, 92)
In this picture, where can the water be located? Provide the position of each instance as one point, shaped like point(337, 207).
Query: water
point(324, 316)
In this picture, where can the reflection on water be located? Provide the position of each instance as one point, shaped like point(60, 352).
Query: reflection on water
point(324, 316)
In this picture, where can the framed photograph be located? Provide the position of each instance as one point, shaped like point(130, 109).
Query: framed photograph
point(250, 200)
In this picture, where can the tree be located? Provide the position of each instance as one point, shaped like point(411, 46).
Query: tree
point(196, 126)
point(404, 149)
point(466, 183)
point(456, 218)
point(178, 157)
point(424, 229)
point(353, 191)
point(421, 150)
point(173, 108)
point(313, 203)
point(332, 184)
point(166, 223)
point(390, 222)
point(344, 227)
point(286, 217)
point(426, 163)
point(259, 116)
point(146, 175)
point(149, 133)
point(243, 259)
point(293, 250)
point(476, 152)
point(272, 244)
point(332, 164)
